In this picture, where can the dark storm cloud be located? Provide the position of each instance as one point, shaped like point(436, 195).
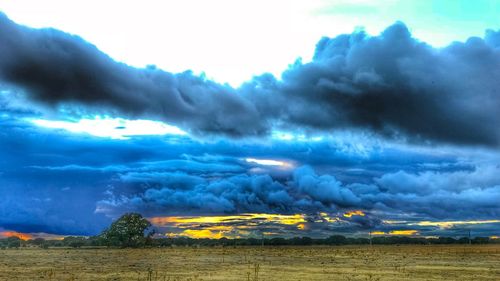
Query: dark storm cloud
point(53, 67)
point(394, 85)
point(391, 84)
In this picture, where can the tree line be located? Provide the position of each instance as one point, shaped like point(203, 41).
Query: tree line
point(133, 231)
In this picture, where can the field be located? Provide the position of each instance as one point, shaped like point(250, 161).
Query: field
point(448, 262)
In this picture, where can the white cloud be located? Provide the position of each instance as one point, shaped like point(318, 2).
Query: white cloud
point(115, 128)
point(269, 162)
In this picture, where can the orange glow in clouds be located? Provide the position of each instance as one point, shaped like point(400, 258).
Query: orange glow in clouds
point(301, 226)
point(354, 213)
point(22, 236)
point(396, 232)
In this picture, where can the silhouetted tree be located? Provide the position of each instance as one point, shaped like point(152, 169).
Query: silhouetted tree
point(128, 231)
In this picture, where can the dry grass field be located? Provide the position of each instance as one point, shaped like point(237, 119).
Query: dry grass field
point(449, 262)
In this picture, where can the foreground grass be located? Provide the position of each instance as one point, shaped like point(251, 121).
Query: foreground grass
point(256, 263)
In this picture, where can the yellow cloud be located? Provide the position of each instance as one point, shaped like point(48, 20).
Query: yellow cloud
point(403, 232)
point(327, 218)
point(201, 233)
point(450, 224)
point(396, 232)
point(226, 226)
point(354, 213)
point(276, 218)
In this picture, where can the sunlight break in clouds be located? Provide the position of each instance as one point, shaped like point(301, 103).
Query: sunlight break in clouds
point(396, 232)
point(269, 162)
point(115, 128)
point(450, 224)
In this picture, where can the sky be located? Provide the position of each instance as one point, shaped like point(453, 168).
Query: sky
point(250, 118)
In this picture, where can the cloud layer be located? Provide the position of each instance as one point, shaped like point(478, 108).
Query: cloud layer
point(391, 84)
point(64, 183)
point(430, 195)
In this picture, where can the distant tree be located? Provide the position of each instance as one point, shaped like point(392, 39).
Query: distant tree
point(224, 241)
point(306, 240)
point(445, 240)
point(295, 241)
point(95, 241)
point(130, 230)
point(278, 241)
point(463, 240)
point(253, 241)
point(481, 240)
point(336, 240)
point(13, 242)
point(75, 242)
point(38, 241)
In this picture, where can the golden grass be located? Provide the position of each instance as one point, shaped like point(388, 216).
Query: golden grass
point(449, 262)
